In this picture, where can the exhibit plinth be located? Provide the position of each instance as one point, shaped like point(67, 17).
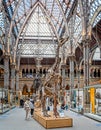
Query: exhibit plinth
point(53, 122)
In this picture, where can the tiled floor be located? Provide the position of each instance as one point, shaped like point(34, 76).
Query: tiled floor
point(15, 120)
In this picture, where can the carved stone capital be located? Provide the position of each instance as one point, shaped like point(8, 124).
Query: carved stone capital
point(6, 56)
point(86, 42)
point(71, 57)
point(13, 65)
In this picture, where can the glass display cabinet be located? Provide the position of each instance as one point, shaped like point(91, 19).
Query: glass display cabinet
point(8, 100)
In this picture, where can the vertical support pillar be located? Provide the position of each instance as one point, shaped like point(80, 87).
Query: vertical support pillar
point(97, 73)
point(86, 35)
point(78, 69)
point(17, 80)
point(90, 71)
point(93, 72)
point(100, 50)
point(13, 76)
point(86, 63)
point(6, 71)
point(71, 58)
point(17, 87)
point(86, 73)
point(100, 72)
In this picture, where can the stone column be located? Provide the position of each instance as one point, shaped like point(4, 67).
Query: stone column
point(86, 36)
point(71, 58)
point(90, 70)
point(86, 63)
point(17, 87)
point(17, 80)
point(93, 73)
point(78, 76)
point(13, 76)
point(100, 51)
point(6, 71)
point(96, 72)
point(86, 71)
point(100, 72)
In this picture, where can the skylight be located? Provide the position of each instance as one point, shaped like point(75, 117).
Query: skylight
point(38, 26)
point(97, 55)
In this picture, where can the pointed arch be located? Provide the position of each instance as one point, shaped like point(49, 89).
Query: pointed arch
point(82, 17)
point(49, 20)
point(65, 21)
point(27, 17)
point(91, 55)
point(98, 10)
point(25, 90)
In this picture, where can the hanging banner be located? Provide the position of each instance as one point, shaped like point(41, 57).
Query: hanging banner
point(92, 99)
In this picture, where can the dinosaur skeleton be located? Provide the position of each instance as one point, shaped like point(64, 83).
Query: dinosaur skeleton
point(54, 75)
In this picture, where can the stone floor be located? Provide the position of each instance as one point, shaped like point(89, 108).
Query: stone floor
point(15, 120)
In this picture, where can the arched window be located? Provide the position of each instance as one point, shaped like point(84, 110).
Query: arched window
point(31, 71)
point(34, 71)
point(44, 71)
point(23, 72)
point(25, 90)
point(82, 72)
point(95, 73)
point(74, 72)
point(68, 72)
point(26, 71)
point(40, 71)
point(98, 72)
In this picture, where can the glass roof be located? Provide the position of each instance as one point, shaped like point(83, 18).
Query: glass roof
point(35, 49)
point(54, 8)
point(78, 26)
point(1, 23)
point(41, 34)
point(0, 46)
point(97, 55)
point(47, 16)
point(38, 26)
point(98, 18)
point(95, 4)
point(75, 25)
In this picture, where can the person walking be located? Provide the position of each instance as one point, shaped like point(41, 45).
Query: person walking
point(31, 105)
point(27, 109)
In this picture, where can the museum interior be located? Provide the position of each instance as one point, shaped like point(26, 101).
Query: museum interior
point(51, 48)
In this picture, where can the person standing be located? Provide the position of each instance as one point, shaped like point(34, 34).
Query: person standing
point(31, 105)
point(27, 108)
point(21, 103)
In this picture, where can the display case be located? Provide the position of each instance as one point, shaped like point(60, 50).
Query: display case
point(98, 101)
point(94, 96)
point(7, 100)
point(79, 98)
